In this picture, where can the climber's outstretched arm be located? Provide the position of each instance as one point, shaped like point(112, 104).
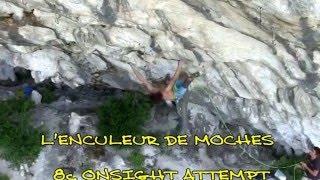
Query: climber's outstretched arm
point(174, 78)
point(150, 88)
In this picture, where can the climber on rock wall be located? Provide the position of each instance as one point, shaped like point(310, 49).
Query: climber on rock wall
point(312, 168)
point(174, 90)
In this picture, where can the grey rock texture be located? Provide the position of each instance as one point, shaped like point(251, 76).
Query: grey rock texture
point(259, 60)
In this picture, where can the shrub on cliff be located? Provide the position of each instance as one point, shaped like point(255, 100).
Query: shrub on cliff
point(125, 115)
point(137, 160)
point(19, 141)
point(290, 171)
point(48, 95)
point(4, 177)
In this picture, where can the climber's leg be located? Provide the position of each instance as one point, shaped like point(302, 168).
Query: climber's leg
point(177, 85)
point(186, 83)
point(181, 87)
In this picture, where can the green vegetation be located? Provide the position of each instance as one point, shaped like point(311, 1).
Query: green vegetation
point(47, 91)
point(4, 177)
point(124, 116)
point(137, 160)
point(290, 172)
point(19, 141)
point(48, 95)
point(86, 164)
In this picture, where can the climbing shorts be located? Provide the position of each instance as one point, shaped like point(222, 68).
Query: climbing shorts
point(179, 90)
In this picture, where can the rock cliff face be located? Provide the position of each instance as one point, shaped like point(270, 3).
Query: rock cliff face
point(259, 60)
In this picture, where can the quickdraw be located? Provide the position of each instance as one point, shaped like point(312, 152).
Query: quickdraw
point(57, 17)
point(24, 2)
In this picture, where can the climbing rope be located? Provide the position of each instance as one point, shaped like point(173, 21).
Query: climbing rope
point(230, 132)
point(244, 150)
point(225, 125)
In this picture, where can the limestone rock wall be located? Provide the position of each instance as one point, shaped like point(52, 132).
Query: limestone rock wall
point(259, 60)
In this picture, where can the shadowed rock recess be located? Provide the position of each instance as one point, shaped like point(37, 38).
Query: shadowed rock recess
point(259, 62)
